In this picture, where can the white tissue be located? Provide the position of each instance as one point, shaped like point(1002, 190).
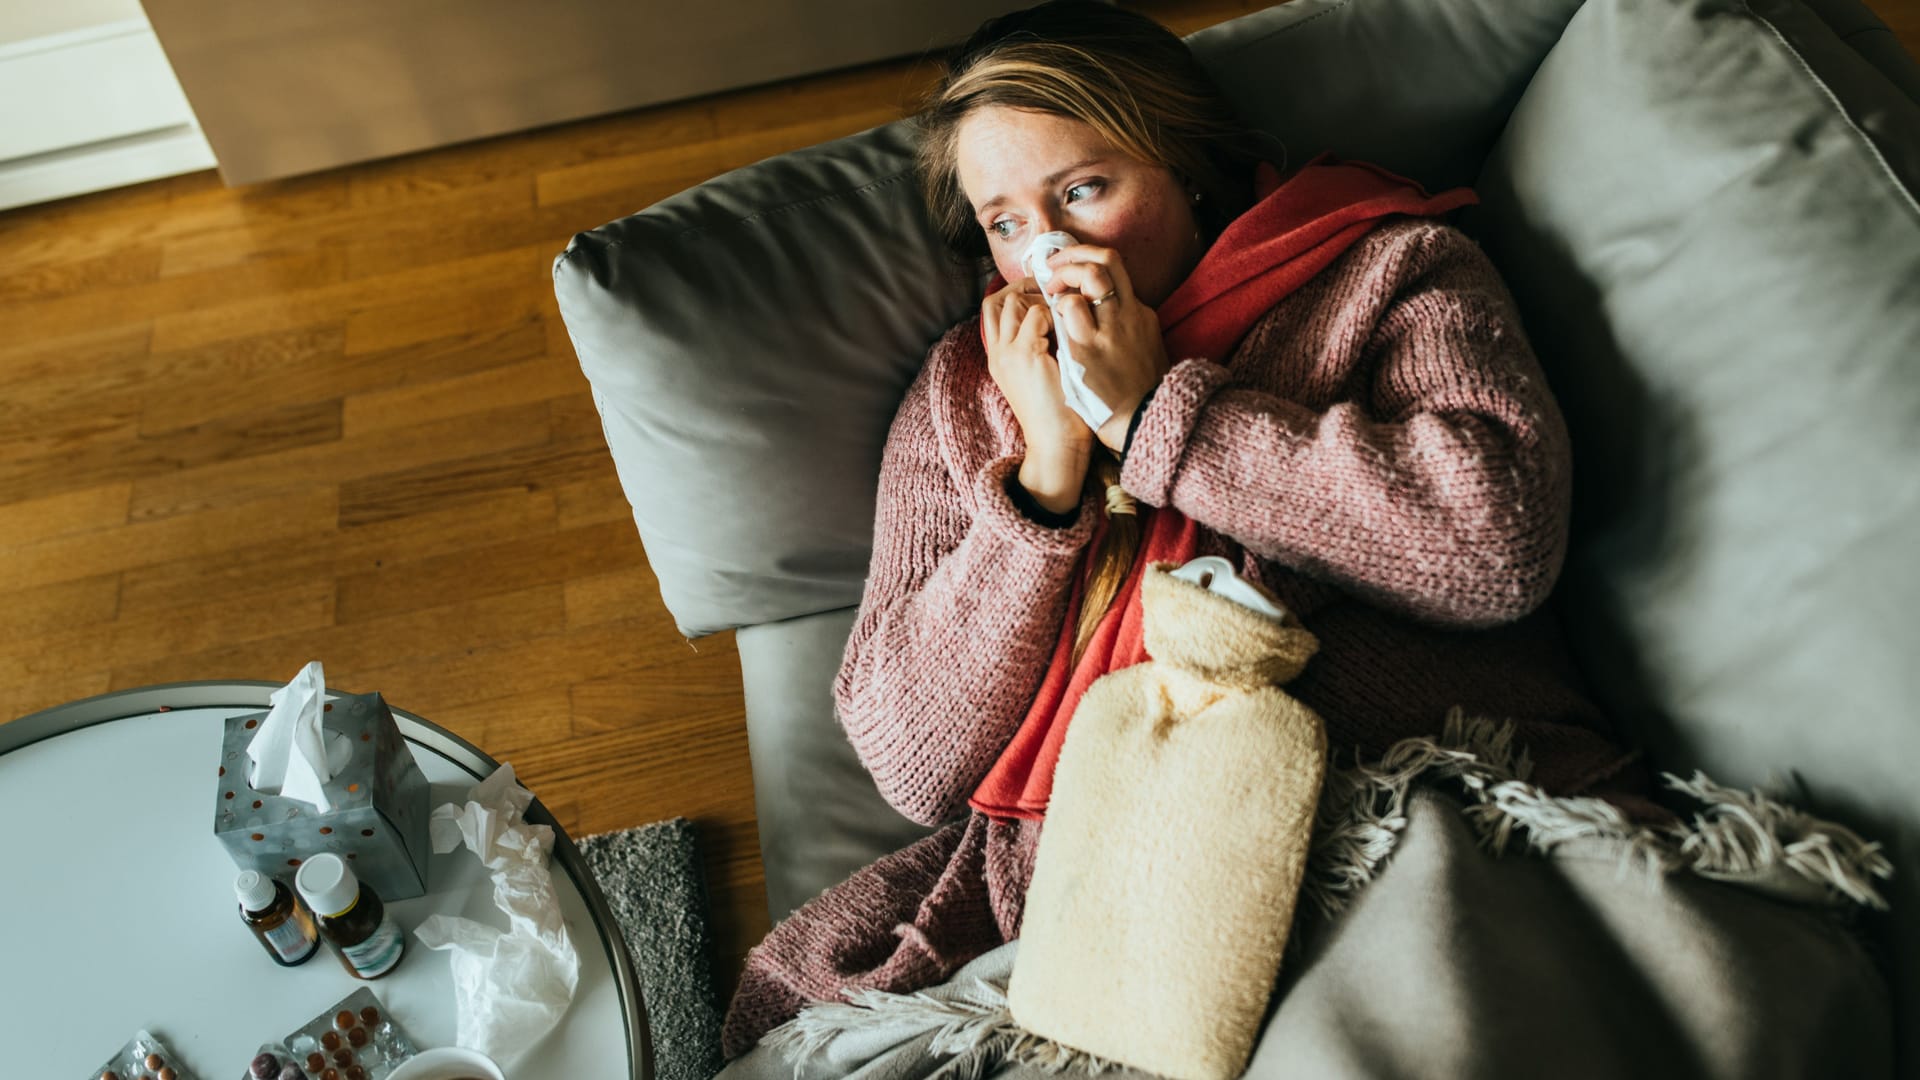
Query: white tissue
point(509, 988)
point(1216, 575)
point(291, 753)
point(1073, 374)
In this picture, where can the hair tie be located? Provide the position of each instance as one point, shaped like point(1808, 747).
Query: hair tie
point(1119, 502)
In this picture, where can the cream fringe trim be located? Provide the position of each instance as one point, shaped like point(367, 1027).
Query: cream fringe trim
point(974, 1025)
point(1742, 837)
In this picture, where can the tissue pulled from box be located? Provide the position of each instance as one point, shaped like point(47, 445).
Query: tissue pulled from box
point(510, 987)
point(291, 754)
point(1073, 374)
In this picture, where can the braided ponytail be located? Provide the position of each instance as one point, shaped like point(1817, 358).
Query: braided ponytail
point(1118, 548)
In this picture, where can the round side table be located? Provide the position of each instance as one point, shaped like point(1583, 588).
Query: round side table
point(118, 913)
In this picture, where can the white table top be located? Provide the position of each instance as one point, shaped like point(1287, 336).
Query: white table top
point(117, 912)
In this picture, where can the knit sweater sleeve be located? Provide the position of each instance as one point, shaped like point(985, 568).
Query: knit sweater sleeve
point(1436, 486)
point(962, 608)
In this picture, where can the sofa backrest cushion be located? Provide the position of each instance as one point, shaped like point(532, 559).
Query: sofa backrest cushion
point(1421, 87)
point(1707, 213)
point(748, 340)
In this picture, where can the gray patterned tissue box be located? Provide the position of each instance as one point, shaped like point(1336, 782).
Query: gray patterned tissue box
point(378, 820)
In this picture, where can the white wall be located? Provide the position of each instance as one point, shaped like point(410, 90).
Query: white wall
point(88, 102)
point(23, 19)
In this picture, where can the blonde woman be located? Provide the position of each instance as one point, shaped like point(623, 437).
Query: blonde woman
point(1311, 374)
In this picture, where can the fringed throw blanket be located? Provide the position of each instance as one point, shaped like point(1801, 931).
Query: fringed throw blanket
point(1624, 951)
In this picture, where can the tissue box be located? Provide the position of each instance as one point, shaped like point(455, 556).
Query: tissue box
point(380, 804)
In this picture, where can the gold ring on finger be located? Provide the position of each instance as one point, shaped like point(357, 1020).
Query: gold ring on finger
point(1098, 300)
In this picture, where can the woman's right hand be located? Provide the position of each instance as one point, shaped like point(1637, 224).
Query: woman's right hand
point(1059, 442)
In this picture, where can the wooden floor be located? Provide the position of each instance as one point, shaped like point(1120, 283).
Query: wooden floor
point(339, 418)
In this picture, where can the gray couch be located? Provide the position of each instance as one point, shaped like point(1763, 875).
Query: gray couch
point(1707, 212)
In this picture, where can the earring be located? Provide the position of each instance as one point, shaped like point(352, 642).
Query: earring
point(1197, 197)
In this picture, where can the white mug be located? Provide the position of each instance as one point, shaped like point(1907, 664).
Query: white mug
point(447, 1063)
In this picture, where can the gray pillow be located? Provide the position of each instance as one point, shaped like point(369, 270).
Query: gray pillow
point(1421, 87)
point(1707, 213)
point(748, 340)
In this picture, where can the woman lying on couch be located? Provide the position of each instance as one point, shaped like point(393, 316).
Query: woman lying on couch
point(1310, 373)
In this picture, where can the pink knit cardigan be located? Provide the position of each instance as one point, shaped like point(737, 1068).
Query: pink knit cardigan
point(1382, 452)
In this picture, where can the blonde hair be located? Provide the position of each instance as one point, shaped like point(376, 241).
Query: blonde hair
point(1136, 84)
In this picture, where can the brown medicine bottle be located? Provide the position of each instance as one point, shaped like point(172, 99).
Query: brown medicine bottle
point(352, 918)
point(284, 926)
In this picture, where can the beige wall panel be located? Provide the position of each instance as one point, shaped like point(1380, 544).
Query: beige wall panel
point(295, 86)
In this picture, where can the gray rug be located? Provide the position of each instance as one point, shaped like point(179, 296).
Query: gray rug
point(652, 881)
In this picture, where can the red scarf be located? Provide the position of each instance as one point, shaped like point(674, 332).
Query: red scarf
point(1292, 231)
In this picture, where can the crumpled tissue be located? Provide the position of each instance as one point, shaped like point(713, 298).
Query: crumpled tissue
point(293, 754)
point(1073, 374)
point(510, 988)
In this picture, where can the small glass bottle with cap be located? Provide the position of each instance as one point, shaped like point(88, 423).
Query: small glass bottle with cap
point(351, 916)
point(276, 916)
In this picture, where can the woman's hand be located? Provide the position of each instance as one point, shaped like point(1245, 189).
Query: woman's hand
point(1117, 339)
point(1059, 443)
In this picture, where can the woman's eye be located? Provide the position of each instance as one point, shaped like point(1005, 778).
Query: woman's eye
point(1010, 226)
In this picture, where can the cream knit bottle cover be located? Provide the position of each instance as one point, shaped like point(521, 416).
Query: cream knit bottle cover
point(1175, 842)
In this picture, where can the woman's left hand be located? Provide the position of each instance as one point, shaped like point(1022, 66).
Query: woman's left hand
point(1118, 339)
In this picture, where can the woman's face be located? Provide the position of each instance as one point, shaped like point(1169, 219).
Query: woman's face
point(1026, 172)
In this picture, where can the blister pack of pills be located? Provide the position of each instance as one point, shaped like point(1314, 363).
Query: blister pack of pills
point(274, 1062)
point(353, 1040)
point(143, 1058)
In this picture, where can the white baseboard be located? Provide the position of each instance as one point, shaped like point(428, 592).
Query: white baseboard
point(115, 163)
point(92, 109)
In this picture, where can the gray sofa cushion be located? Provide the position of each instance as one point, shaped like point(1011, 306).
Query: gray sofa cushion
point(821, 817)
point(1707, 213)
point(748, 340)
point(1418, 86)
